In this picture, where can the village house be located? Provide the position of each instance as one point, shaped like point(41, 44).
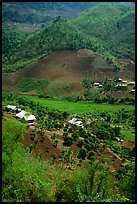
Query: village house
point(13, 108)
point(132, 91)
point(100, 86)
point(75, 123)
point(123, 81)
point(119, 80)
point(131, 83)
point(96, 84)
point(27, 116)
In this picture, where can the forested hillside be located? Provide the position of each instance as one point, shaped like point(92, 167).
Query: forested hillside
point(11, 39)
point(41, 12)
point(105, 28)
point(59, 36)
point(114, 25)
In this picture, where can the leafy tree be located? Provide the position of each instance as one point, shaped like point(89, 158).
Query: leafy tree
point(82, 153)
point(56, 142)
point(68, 141)
point(80, 143)
point(91, 156)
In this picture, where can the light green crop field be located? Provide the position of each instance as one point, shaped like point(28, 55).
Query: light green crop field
point(128, 135)
point(79, 107)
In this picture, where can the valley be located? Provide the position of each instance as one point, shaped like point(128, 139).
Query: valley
point(68, 102)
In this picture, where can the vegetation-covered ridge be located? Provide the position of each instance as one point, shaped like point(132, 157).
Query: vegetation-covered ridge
point(114, 25)
point(59, 36)
point(96, 29)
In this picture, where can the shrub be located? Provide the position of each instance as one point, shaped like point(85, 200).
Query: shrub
point(54, 135)
point(91, 154)
point(80, 143)
point(75, 135)
point(87, 147)
point(36, 141)
point(68, 141)
point(82, 153)
point(55, 142)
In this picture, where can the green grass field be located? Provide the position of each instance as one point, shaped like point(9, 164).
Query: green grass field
point(128, 135)
point(79, 107)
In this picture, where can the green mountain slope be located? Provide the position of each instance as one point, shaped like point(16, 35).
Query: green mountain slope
point(59, 36)
point(113, 24)
point(106, 28)
point(11, 39)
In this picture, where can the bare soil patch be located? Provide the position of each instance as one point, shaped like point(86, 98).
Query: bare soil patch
point(127, 143)
point(66, 66)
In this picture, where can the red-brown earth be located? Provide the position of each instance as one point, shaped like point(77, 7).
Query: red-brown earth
point(67, 66)
point(46, 148)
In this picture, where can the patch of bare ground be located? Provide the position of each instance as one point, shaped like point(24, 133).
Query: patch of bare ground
point(44, 147)
point(117, 94)
point(47, 149)
point(115, 161)
point(8, 81)
point(66, 66)
point(127, 143)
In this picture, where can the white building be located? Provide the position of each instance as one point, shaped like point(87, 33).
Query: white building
point(100, 86)
point(13, 107)
point(120, 80)
point(131, 83)
point(75, 121)
point(96, 84)
point(132, 91)
point(27, 116)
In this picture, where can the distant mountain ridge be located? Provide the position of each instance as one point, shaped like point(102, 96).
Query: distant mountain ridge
point(41, 12)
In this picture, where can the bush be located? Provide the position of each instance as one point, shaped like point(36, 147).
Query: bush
point(75, 135)
point(68, 141)
point(80, 143)
point(91, 154)
point(87, 147)
point(82, 153)
point(56, 142)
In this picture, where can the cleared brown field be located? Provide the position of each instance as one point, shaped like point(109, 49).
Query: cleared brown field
point(66, 66)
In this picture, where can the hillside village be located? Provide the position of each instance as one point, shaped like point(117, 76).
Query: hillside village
point(121, 84)
point(68, 102)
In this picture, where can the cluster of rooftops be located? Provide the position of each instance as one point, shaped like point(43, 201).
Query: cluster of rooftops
point(23, 114)
point(31, 118)
point(124, 83)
